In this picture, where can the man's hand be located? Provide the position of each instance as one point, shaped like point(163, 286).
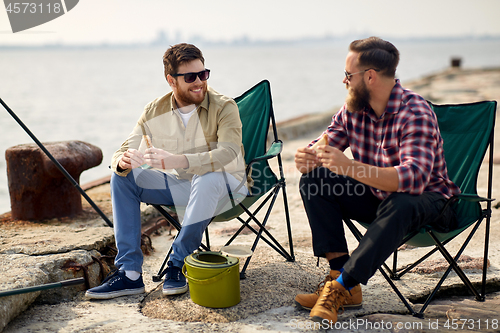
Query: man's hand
point(131, 159)
point(161, 159)
point(384, 179)
point(306, 160)
point(335, 160)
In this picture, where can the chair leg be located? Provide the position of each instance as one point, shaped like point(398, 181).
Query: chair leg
point(486, 246)
point(177, 226)
point(169, 218)
point(401, 297)
point(243, 275)
point(408, 268)
point(251, 217)
point(207, 238)
point(453, 261)
point(272, 242)
point(454, 266)
point(394, 273)
point(288, 224)
point(269, 239)
point(160, 274)
point(262, 228)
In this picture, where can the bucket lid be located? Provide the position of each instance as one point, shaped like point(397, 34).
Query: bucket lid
point(210, 259)
point(238, 251)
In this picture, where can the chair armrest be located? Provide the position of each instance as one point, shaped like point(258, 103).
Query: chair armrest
point(472, 197)
point(273, 151)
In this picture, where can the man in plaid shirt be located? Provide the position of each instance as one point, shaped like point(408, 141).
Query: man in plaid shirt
point(397, 180)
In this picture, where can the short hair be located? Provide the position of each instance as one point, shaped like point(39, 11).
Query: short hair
point(376, 53)
point(178, 54)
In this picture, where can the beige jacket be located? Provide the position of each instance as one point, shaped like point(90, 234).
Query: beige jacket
point(211, 141)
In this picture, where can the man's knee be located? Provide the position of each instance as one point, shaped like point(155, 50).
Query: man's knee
point(399, 207)
point(396, 203)
point(401, 201)
point(213, 182)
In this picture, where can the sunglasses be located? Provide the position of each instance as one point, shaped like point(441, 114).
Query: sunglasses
point(348, 75)
point(191, 77)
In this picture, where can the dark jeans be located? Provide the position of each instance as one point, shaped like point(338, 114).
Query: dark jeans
point(328, 198)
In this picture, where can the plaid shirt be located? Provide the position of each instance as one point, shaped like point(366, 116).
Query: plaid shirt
point(405, 137)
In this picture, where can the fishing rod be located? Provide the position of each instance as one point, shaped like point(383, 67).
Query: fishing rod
point(58, 165)
point(64, 283)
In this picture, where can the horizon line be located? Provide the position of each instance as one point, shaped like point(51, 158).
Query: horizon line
point(244, 41)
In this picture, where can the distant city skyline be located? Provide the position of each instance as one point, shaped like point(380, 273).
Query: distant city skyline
point(94, 22)
point(162, 40)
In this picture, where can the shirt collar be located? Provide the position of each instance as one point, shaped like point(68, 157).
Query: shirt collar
point(206, 103)
point(393, 104)
point(395, 99)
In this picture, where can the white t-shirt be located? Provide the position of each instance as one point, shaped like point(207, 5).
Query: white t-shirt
point(185, 116)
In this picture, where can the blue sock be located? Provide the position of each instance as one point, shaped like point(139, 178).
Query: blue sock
point(341, 281)
point(347, 281)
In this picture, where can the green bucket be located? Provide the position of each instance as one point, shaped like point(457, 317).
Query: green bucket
point(214, 279)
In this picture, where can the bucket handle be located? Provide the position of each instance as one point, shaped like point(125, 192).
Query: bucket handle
point(206, 281)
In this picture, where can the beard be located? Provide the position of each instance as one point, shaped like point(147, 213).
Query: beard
point(358, 98)
point(186, 98)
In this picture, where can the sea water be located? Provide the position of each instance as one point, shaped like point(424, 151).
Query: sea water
point(97, 94)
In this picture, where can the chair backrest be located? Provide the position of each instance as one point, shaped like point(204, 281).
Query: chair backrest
point(467, 132)
point(256, 113)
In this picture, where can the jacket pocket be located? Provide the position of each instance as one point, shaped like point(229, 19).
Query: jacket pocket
point(169, 145)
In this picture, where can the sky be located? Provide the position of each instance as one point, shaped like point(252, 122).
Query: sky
point(134, 21)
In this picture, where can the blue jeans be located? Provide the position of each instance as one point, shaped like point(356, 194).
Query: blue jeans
point(200, 196)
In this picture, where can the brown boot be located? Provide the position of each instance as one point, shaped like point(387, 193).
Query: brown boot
point(307, 301)
point(329, 303)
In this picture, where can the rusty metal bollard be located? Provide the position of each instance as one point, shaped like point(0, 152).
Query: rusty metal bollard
point(38, 189)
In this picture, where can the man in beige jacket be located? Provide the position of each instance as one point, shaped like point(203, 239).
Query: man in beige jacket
point(185, 150)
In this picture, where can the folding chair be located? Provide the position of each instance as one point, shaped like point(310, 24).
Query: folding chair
point(467, 131)
point(256, 113)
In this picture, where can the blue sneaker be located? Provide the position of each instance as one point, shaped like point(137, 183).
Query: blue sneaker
point(175, 281)
point(116, 285)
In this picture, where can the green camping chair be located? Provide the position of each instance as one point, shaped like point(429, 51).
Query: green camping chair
point(256, 113)
point(467, 131)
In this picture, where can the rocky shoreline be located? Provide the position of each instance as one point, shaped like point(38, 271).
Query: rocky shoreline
point(34, 253)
